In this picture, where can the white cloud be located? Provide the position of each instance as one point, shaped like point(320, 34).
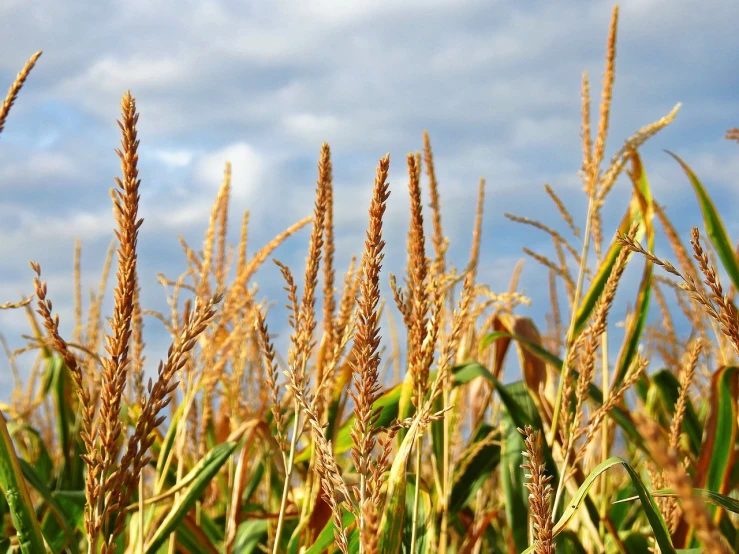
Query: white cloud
point(247, 167)
point(313, 128)
point(175, 158)
point(43, 165)
point(113, 74)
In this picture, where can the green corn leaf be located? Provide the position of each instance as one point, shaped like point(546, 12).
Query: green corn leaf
point(167, 446)
point(513, 480)
point(667, 385)
point(425, 528)
point(326, 537)
point(250, 535)
point(436, 433)
point(405, 403)
point(72, 505)
point(713, 224)
point(191, 539)
point(726, 502)
point(393, 517)
point(476, 468)
point(254, 482)
point(621, 418)
point(515, 398)
point(210, 528)
point(58, 375)
point(32, 447)
point(567, 542)
point(582, 316)
point(522, 410)
point(636, 542)
point(65, 537)
point(643, 195)
point(388, 405)
point(656, 522)
point(30, 538)
point(198, 479)
point(60, 387)
point(659, 528)
point(718, 449)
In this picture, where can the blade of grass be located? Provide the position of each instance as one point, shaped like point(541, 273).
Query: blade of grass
point(326, 537)
point(621, 417)
point(585, 311)
point(61, 541)
point(514, 491)
point(718, 449)
point(425, 528)
point(475, 469)
point(393, 517)
point(643, 195)
point(656, 522)
point(30, 538)
point(201, 475)
point(668, 387)
point(713, 223)
point(726, 502)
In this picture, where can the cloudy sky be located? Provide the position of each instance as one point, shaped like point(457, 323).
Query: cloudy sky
point(263, 84)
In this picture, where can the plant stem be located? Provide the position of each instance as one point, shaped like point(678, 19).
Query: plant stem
point(362, 485)
point(416, 495)
point(570, 332)
point(141, 513)
point(443, 534)
point(604, 430)
point(566, 369)
point(288, 475)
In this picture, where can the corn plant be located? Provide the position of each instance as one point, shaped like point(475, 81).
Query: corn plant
point(233, 447)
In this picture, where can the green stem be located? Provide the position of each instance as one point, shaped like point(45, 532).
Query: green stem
point(573, 318)
point(288, 475)
point(416, 496)
point(570, 341)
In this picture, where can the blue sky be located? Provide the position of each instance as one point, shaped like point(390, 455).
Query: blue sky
point(263, 84)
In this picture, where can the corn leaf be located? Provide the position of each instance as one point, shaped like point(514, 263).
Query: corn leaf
point(199, 477)
point(393, 517)
point(250, 535)
point(718, 450)
point(512, 479)
point(667, 385)
point(713, 224)
point(476, 467)
point(659, 528)
point(656, 522)
point(585, 311)
point(28, 530)
point(567, 542)
point(643, 195)
point(726, 502)
point(387, 403)
point(617, 414)
point(326, 537)
point(191, 539)
point(425, 526)
point(65, 537)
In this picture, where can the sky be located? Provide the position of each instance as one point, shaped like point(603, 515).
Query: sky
point(264, 84)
